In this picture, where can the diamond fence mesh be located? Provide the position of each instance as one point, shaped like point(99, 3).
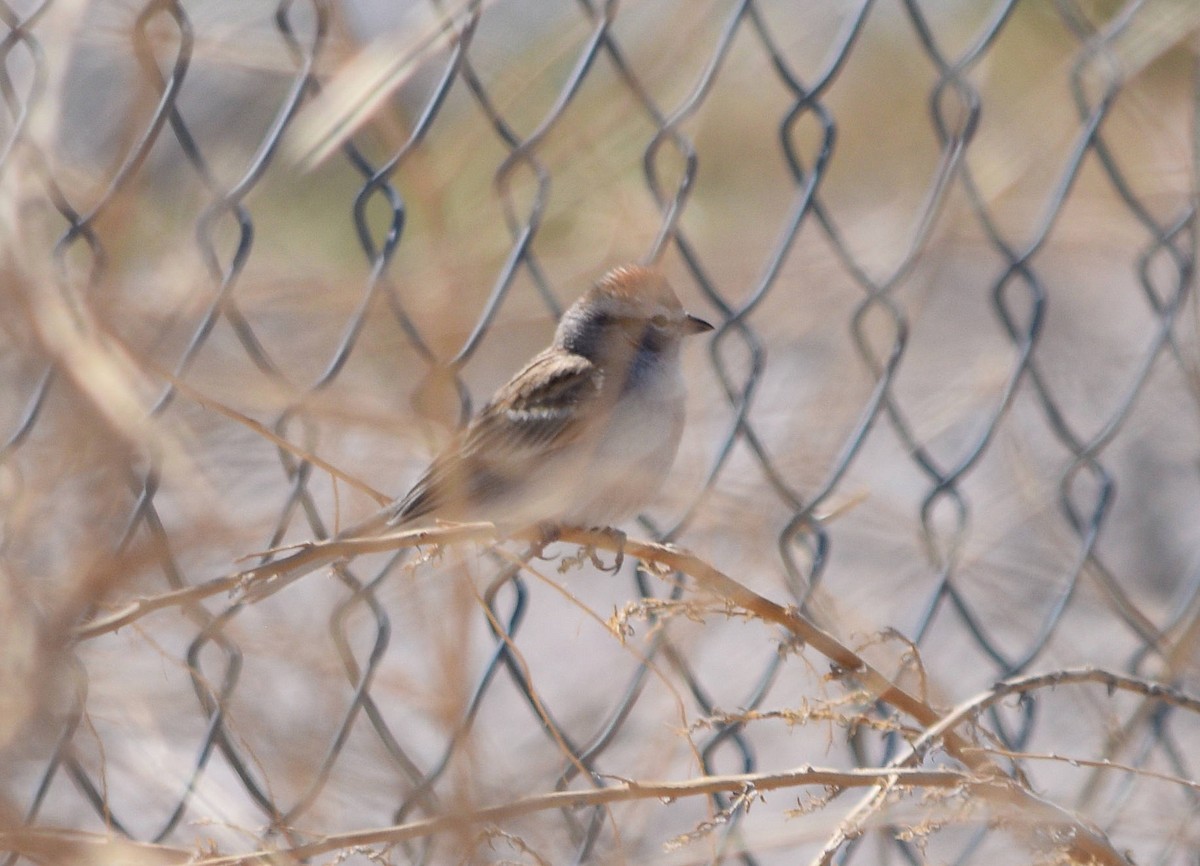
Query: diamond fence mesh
point(260, 260)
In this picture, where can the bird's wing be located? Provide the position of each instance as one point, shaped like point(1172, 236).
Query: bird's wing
point(542, 409)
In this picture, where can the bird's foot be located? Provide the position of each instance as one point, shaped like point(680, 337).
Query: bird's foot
point(618, 537)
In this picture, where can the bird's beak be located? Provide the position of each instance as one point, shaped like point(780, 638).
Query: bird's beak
point(695, 325)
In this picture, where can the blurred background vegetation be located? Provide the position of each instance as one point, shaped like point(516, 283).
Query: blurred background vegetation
point(254, 293)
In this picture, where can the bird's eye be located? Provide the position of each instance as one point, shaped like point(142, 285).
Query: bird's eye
point(660, 321)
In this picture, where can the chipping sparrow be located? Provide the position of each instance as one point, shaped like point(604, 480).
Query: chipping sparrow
point(583, 435)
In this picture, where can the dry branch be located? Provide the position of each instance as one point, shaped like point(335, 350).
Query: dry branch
point(1084, 843)
point(626, 791)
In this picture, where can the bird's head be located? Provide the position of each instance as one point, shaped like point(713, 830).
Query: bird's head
point(631, 308)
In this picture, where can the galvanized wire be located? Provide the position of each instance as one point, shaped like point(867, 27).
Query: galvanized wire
point(879, 331)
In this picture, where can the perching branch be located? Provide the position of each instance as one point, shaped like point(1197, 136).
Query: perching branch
point(1085, 843)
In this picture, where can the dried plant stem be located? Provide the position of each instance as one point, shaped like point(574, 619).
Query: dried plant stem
point(1111, 681)
point(1096, 764)
point(140, 607)
point(1087, 844)
point(625, 791)
point(39, 842)
point(266, 579)
point(1084, 843)
point(970, 709)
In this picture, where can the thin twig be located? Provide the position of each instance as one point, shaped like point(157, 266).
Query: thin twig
point(1094, 764)
point(851, 826)
point(970, 709)
point(633, 790)
point(262, 430)
point(1085, 842)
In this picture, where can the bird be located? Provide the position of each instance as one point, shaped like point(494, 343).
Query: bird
point(583, 435)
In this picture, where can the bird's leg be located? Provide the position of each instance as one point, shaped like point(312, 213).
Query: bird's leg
point(618, 537)
point(546, 534)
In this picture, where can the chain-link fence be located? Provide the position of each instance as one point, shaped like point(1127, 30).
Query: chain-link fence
point(260, 260)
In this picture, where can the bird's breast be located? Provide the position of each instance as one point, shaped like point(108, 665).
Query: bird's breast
point(632, 452)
